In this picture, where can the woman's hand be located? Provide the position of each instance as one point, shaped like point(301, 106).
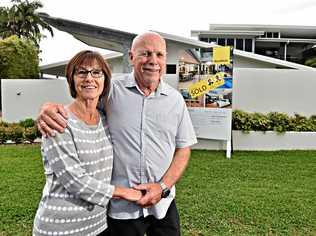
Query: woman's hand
point(128, 194)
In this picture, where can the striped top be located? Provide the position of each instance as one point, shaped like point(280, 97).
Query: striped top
point(78, 167)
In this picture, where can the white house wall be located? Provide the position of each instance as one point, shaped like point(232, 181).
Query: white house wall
point(283, 90)
point(116, 65)
point(22, 99)
point(243, 62)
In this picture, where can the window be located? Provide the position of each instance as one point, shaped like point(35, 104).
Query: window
point(212, 40)
point(275, 34)
point(204, 39)
point(240, 44)
point(171, 69)
point(230, 42)
point(248, 45)
point(221, 41)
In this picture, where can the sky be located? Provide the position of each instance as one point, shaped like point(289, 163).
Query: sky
point(176, 17)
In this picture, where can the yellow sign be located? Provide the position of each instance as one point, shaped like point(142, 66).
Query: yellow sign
point(215, 81)
point(199, 88)
point(221, 55)
point(203, 86)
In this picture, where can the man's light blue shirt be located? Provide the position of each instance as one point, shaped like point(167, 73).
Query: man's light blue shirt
point(145, 133)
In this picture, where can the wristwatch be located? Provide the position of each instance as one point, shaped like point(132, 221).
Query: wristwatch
point(165, 190)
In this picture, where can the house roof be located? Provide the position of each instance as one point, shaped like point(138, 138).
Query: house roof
point(58, 68)
point(108, 38)
point(296, 31)
point(119, 41)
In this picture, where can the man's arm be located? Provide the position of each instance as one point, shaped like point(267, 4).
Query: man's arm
point(173, 174)
point(52, 117)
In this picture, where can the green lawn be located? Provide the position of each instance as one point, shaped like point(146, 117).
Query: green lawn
point(255, 193)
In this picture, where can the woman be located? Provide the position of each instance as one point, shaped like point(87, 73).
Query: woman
point(78, 162)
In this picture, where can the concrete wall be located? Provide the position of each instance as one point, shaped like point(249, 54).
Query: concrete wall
point(116, 65)
point(282, 90)
point(22, 99)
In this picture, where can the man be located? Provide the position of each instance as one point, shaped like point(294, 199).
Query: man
point(151, 133)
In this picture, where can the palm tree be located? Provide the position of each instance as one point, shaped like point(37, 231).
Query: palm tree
point(22, 20)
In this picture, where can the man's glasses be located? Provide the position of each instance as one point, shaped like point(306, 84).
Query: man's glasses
point(147, 54)
point(82, 73)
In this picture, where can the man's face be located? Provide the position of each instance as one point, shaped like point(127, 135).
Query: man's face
point(148, 57)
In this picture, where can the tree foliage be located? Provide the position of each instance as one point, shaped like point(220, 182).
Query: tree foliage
point(21, 19)
point(18, 59)
point(311, 62)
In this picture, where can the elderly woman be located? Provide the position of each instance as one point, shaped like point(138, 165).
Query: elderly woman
point(78, 162)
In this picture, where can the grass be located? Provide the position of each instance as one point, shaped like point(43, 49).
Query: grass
point(255, 193)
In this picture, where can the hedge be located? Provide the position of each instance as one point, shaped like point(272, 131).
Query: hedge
point(273, 121)
point(26, 130)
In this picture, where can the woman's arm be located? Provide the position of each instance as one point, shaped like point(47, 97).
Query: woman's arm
point(62, 157)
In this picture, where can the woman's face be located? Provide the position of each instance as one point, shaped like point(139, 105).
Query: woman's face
point(89, 81)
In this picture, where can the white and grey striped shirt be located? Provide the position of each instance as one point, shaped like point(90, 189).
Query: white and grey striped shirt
point(78, 167)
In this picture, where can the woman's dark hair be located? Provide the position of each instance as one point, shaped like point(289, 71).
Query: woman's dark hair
point(85, 58)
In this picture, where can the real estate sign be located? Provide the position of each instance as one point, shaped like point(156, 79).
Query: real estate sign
point(207, 90)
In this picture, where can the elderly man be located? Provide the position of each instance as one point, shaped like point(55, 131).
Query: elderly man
point(151, 133)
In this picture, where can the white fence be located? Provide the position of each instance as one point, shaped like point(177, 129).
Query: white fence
point(255, 90)
point(22, 99)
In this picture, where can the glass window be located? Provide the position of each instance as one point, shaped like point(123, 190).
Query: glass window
point(239, 44)
point(204, 39)
point(248, 45)
point(171, 69)
point(230, 42)
point(221, 41)
point(213, 40)
point(275, 34)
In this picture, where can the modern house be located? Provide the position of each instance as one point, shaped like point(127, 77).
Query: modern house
point(260, 83)
point(285, 42)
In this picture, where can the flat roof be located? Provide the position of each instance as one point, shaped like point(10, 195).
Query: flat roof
point(296, 31)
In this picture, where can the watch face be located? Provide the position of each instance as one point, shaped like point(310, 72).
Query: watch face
point(165, 193)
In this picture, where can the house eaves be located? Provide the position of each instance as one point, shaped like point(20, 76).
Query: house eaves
point(274, 61)
point(120, 41)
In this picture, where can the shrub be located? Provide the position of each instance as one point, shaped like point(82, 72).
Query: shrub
point(260, 122)
point(301, 123)
point(3, 135)
point(27, 123)
point(18, 59)
point(14, 133)
point(30, 134)
point(280, 122)
point(274, 121)
point(241, 121)
point(3, 124)
point(312, 121)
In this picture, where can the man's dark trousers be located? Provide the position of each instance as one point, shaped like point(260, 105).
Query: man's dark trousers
point(168, 226)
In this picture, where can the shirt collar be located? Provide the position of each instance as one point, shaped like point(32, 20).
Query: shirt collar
point(130, 82)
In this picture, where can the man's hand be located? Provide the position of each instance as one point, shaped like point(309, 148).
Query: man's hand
point(52, 117)
point(152, 194)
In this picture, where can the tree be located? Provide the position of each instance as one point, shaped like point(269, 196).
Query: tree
point(21, 19)
point(18, 59)
point(311, 61)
